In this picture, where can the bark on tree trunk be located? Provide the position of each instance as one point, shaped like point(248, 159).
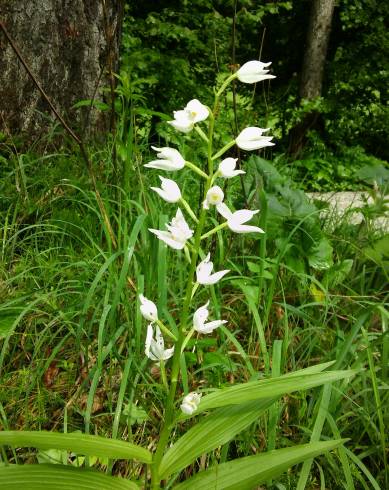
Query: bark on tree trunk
point(69, 45)
point(313, 67)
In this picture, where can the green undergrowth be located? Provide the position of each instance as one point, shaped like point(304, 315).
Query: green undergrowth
point(312, 290)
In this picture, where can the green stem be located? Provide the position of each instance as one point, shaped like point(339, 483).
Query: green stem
point(196, 169)
point(201, 133)
point(187, 338)
point(225, 84)
point(166, 330)
point(189, 209)
point(214, 230)
point(163, 374)
point(223, 150)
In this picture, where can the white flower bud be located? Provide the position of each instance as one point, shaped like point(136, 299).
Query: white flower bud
point(190, 403)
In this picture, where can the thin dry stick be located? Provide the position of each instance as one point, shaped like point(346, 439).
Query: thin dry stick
point(71, 133)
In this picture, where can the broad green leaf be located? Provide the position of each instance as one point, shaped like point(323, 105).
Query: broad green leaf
point(320, 254)
point(247, 473)
point(317, 368)
point(58, 477)
point(77, 443)
point(268, 388)
point(213, 431)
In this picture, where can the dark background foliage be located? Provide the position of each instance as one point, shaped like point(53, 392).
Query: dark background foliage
point(172, 49)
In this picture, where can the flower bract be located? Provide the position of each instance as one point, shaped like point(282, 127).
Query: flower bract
point(254, 71)
point(236, 220)
point(190, 403)
point(148, 309)
point(227, 168)
point(203, 272)
point(169, 159)
point(201, 316)
point(169, 191)
point(155, 347)
point(251, 139)
point(179, 232)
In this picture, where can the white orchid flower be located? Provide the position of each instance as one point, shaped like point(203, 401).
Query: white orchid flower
point(214, 196)
point(253, 71)
point(182, 121)
point(190, 403)
point(193, 113)
point(179, 232)
point(169, 159)
point(201, 316)
point(236, 220)
point(169, 191)
point(203, 272)
point(197, 111)
point(148, 309)
point(227, 168)
point(155, 347)
point(251, 139)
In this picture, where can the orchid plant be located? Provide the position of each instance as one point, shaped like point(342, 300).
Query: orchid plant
point(230, 410)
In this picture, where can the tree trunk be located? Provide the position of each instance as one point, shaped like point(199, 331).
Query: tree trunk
point(71, 46)
point(313, 68)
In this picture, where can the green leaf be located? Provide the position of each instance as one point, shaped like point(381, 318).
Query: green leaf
point(320, 254)
point(247, 473)
point(213, 431)
point(268, 388)
point(7, 325)
point(77, 443)
point(58, 477)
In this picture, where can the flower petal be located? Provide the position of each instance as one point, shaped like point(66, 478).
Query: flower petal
point(210, 326)
point(166, 237)
point(243, 215)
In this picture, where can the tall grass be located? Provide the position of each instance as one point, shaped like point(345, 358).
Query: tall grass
point(71, 335)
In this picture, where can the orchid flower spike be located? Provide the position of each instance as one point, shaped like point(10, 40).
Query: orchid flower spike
point(169, 159)
point(190, 403)
point(148, 309)
point(155, 347)
point(179, 232)
point(253, 71)
point(227, 168)
point(214, 196)
point(201, 316)
point(169, 191)
point(203, 272)
point(251, 139)
point(193, 113)
point(236, 220)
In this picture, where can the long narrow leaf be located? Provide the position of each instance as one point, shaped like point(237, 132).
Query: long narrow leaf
point(58, 477)
point(213, 431)
point(257, 390)
point(77, 443)
point(246, 473)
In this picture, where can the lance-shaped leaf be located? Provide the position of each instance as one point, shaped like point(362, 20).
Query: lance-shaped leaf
point(78, 443)
point(257, 390)
point(247, 473)
point(59, 477)
point(213, 431)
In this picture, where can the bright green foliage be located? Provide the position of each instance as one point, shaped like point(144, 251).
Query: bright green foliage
point(247, 473)
point(78, 443)
point(57, 477)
